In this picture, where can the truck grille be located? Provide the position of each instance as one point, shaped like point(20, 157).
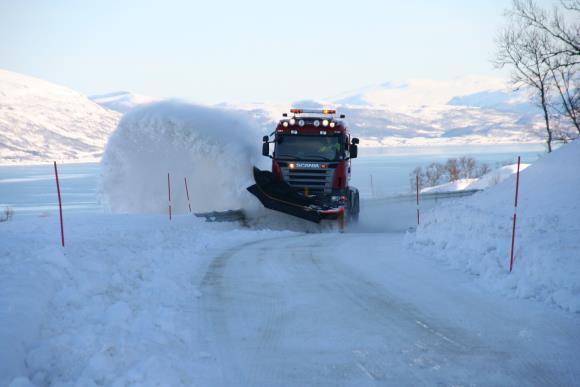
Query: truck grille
point(315, 179)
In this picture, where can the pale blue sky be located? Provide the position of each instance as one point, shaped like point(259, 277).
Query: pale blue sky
point(213, 51)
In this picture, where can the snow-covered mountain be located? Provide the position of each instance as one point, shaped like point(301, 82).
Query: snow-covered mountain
point(121, 101)
point(503, 100)
point(417, 92)
point(41, 121)
point(475, 110)
point(421, 111)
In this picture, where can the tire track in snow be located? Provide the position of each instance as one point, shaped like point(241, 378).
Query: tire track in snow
point(257, 304)
point(217, 298)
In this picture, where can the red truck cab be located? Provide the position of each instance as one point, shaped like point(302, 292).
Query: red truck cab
point(312, 153)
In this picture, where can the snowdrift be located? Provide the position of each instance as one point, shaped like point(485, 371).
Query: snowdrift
point(475, 234)
point(214, 148)
point(488, 180)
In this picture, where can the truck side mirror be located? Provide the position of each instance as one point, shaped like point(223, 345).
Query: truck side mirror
point(353, 151)
point(266, 149)
point(354, 148)
point(265, 138)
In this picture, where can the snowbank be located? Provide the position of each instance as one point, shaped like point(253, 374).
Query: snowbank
point(475, 234)
point(214, 148)
point(452, 186)
point(496, 176)
point(488, 180)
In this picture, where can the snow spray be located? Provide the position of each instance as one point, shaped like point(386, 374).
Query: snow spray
point(59, 205)
point(515, 214)
point(214, 147)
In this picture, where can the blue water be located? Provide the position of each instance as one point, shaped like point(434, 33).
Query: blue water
point(31, 190)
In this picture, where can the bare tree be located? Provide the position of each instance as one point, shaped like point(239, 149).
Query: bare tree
point(452, 169)
point(467, 167)
point(558, 34)
point(554, 24)
point(482, 170)
point(433, 174)
point(566, 82)
point(525, 50)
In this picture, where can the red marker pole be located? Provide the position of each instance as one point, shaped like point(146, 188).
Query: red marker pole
point(515, 214)
point(169, 191)
point(59, 205)
point(417, 180)
point(187, 193)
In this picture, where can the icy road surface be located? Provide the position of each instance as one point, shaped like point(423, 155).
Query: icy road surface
point(357, 309)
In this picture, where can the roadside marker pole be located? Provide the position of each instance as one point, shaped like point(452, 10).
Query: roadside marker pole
point(515, 214)
point(417, 184)
point(341, 219)
point(59, 205)
point(169, 191)
point(187, 193)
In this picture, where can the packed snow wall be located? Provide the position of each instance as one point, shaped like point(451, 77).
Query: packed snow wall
point(475, 234)
point(214, 148)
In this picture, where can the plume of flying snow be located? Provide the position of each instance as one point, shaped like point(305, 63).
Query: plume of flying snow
point(214, 148)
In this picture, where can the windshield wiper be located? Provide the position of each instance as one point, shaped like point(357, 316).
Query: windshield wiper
point(319, 157)
point(292, 157)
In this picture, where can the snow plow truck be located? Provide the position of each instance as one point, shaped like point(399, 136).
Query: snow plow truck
point(311, 166)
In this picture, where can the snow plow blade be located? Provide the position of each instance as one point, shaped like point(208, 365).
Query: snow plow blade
point(277, 195)
point(223, 216)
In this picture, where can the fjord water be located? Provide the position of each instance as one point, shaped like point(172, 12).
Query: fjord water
point(31, 190)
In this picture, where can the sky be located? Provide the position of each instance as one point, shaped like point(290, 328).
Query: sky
point(247, 51)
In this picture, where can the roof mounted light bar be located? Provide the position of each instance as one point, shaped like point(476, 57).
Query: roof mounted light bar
point(313, 111)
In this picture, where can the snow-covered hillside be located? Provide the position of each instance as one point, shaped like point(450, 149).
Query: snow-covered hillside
point(474, 234)
point(121, 101)
point(41, 121)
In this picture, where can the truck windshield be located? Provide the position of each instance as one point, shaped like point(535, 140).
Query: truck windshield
point(293, 147)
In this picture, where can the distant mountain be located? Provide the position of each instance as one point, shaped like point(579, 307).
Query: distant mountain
point(422, 111)
point(121, 101)
point(41, 121)
point(503, 100)
point(417, 92)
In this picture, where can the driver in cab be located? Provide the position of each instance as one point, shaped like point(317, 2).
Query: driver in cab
point(329, 148)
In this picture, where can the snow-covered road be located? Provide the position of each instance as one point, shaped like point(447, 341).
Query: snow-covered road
point(357, 309)
point(141, 301)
